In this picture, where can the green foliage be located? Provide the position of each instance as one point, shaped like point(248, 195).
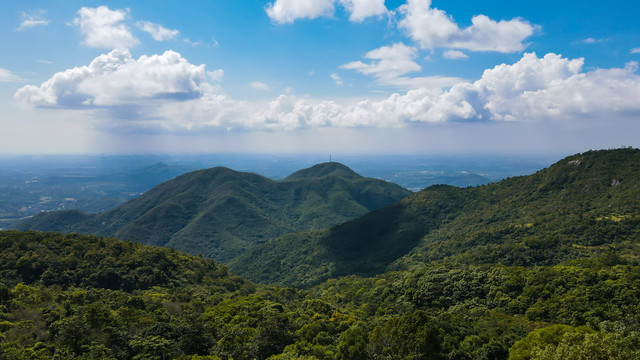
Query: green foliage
point(410, 336)
point(353, 344)
point(552, 335)
point(90, 261)
point(437, 311)
point(565, 342)
point(574, 210)
point(221, 213)
point(365, 246)
point(547, 270)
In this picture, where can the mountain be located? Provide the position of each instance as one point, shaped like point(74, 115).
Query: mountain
point(82, 296)
point(220, 213)
point(585, 204)
point(539, 267)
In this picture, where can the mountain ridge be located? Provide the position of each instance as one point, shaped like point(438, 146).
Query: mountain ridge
point(536, 267)
point(220, 212)
point(551, 216)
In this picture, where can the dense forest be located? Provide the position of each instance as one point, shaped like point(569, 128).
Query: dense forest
point(545, 266)
point(582, 205)
point(81, 296)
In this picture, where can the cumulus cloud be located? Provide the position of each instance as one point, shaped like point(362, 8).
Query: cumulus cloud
point(548, 88)
point(8, 76)
point(454, 55)
point(635, 51)
point(260, 86)
point(390, 64)
point(287, 11)
point(157, 31)
point(562, 90)
point(337, 79)
point(290, 112)
point(33, 19)
point(152, 93)
point(117, 78)
point(104, 28)
point(431, 28)
point(551, 87)
point(166, 92)
point(361, 9)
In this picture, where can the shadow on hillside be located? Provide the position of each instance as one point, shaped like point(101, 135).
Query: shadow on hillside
point(368, 245)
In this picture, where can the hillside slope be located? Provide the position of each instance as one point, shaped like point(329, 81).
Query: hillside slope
point(87, 261)
point(86, 297)
point(582, 205)
point(220, 213)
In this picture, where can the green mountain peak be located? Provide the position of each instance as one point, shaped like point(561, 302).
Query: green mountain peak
point(221, 213)
point(322, 170)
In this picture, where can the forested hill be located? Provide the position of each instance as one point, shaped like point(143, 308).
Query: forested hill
point(322, 170)
point(583, 205)
point(87, 261)
point(220, 213)
point(86, 297)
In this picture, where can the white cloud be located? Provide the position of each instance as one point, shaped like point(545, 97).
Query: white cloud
point(157, 31)
point(152, 93)
point(8, 76)
point(211, 110)
point(116, 78)
point(635, 51)
point(390, 64)
point(216, 75)
point(104, 28)
point(289, 112)
point(173, 95)
point(287, 11)
point(592, 40)
point(431, 28)
point(361, 9)
point(260, 86)
point(33, 19)
point(454, 55)
point(337, 79)
point(533, 89)
point(551, 87)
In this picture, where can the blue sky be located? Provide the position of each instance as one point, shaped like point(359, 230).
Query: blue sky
point(365, 76)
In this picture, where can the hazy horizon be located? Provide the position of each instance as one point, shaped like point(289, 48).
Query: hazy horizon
point(318, 76)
